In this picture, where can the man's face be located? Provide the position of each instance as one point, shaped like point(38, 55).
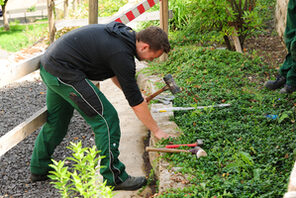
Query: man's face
point(147, 54)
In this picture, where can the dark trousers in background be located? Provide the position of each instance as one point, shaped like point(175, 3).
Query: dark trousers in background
point(288, 69)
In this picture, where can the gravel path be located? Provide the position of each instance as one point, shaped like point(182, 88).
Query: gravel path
point(18, 101)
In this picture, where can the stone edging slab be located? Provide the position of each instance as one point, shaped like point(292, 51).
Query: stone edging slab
point(167, 177)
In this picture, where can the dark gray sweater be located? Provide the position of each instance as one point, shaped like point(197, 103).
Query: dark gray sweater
point(96, 52)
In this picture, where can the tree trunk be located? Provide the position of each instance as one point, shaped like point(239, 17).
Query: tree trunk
point(236, 42)
point(66, 4)
point(242, 40)
point(227, 42)
point(74, 5)
point(51, 22)
point(5, 18)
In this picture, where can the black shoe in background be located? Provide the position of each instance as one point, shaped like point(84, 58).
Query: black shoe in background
point(288, 89)
point(275, 84)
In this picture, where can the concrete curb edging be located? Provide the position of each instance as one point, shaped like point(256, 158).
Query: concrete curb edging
point(167, 176)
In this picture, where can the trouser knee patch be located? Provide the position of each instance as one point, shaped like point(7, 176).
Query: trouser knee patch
point(82, 105)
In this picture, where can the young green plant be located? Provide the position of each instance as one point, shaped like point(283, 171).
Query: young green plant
point(82, 180)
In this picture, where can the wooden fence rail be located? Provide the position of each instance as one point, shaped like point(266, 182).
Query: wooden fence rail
point(20, 70)
point(20, 132)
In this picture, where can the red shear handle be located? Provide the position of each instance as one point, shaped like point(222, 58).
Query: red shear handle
point(178, 145)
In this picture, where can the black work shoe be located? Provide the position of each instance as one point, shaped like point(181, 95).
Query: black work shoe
point(35, 178)
point(132, 183)
point(287, 89)
point(275, 84)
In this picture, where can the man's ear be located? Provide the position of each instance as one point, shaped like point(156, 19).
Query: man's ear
point(145, 46)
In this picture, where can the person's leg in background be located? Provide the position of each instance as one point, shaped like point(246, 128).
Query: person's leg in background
point(287, 72)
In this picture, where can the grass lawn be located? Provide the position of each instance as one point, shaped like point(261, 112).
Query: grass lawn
point(21, 36)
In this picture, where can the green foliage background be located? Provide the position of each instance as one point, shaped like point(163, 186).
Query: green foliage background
point(106, 8)
point(21, 36)
point(249, 155)
point(208, 21)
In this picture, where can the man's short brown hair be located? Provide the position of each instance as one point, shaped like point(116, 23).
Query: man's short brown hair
point(156, 38)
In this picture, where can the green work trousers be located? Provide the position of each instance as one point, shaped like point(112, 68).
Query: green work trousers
point(288, 69)
point(61, 99)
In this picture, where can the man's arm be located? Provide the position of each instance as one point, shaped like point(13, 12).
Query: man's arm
point(115, 81)
point(143, 113)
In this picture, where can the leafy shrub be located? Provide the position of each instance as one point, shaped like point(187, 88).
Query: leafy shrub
point(215, 20)
point(183, 11)
point(82, 181)
point(227, 16)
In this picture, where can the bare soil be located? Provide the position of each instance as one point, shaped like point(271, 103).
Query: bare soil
point(269, 46)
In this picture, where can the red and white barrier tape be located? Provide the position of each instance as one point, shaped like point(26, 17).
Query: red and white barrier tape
point(136, 11)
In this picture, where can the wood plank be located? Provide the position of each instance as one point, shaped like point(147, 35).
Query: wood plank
point(20, 70)
point(20, 132)
point(164, 15)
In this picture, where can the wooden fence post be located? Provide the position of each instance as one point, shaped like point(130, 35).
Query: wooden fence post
point(51, 23)
point(164, 20)
point(93, 12)
point(93, 19)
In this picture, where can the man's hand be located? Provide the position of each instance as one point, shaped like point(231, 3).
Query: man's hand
point(145, 98)
point(159, 134)
point(143, 113)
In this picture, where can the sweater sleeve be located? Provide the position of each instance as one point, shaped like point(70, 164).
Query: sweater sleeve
point(123, 66)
